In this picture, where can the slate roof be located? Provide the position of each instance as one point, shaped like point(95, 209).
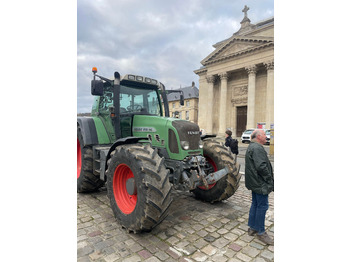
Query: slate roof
point(189, 92)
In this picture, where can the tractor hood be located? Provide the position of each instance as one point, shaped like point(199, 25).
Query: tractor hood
point(169, 133)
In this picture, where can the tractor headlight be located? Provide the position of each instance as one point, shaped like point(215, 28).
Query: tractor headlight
point(200, 144)
point(185, 145)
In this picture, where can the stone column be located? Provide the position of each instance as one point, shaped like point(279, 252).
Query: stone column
point(251, 96)
point(223, 98)
point(269, 93)
point(210, 102)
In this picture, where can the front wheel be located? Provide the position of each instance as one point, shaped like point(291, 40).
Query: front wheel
point(219, 157)
point(138, 187)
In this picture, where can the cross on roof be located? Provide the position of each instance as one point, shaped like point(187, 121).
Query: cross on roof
point(245, 10)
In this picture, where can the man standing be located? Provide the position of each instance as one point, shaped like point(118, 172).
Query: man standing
point(258, 178)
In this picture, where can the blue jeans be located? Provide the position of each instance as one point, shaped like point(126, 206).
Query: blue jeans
point(260, 204)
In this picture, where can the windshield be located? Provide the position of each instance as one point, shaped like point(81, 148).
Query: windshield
point(248, 131)
point(139, 100)
point(132, 100)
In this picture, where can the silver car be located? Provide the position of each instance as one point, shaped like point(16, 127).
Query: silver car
point(246, 135)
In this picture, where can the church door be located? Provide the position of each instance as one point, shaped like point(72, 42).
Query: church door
point(241, 120)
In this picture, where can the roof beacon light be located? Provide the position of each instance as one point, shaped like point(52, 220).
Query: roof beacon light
point(94, 70)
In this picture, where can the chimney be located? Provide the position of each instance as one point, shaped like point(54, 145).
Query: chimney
point(192, 84)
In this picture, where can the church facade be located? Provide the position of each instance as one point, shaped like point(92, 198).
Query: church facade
point(236, 81)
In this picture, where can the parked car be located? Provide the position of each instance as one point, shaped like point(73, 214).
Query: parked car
point(246, 135)
point(267, 132)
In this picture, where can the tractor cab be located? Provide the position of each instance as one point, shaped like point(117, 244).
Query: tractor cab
point(138, 95)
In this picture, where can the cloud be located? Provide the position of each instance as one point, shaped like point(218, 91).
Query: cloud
point(165, 40)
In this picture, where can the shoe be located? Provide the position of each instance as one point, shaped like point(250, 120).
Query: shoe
point(265, 238)
point(252, 232)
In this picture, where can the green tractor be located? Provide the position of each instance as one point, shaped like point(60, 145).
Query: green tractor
point(141, 154)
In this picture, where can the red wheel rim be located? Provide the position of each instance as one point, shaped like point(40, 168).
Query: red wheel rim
point(78, 159)
point(212, 163)
point(125, 202)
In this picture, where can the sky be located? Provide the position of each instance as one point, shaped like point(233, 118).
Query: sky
point(164, 40)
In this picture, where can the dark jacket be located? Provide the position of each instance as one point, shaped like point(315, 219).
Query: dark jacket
point(258, 170)
point(232, 143)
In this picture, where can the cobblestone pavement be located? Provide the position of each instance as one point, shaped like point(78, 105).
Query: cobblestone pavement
point(193, 231)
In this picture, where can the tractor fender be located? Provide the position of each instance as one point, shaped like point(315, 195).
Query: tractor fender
point(88, 130)
point(124, 141)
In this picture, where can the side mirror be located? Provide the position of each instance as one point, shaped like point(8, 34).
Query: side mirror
point(182, 100)
point(96, 87)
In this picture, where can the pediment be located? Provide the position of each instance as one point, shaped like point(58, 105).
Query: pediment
point(236, 46)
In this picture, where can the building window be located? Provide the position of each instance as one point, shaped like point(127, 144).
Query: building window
point(187, 103)
point(180, 115)
point(173, 105)
point(187, 115)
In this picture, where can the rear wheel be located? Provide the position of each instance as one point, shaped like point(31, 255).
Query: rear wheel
point(138, 187)
point(219, 157)
point(86, 180)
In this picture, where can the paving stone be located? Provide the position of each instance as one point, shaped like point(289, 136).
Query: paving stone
point(215, 235)
point(202, 233)
point(209, 250)
point(182, 244)
point(234, 260)
point(200, 243)
point(268, 255)
point(230, 236)
point(243, 257)
point(173, 240)
point(174, 253)
point(95, 233)
point(217, 224)
point(209, 238)
point(210, 229)
point(96, 255)
point(144, 254)
point(84, 259)
point(219, 258)
point(162, 255)
point(190, 250)
point(250, 251)
point(112, 257)
point(222, 231)
point(238, 232)
point(235, 247)
point(82, 237)
point(225, 220)
point(162, 246)
point(152, 248)
point(152, 259)
point(136, 247)
point(256, 245)
point(220, 243)
point(198, 256)
point(133, 258)
point(85, 251)
point(259, 259)
point(197, 227)
point(247, 238)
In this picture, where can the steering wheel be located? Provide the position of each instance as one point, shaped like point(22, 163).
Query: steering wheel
point(135, 108)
